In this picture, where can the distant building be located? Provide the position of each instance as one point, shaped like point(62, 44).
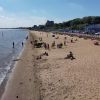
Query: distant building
point(93, 28)
point(49, 23)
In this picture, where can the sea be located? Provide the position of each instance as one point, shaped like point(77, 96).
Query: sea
point(7, 53)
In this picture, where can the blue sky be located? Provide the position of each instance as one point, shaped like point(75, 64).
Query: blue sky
point(15, 13)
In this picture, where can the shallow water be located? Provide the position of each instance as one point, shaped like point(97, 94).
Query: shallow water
point(7, 52)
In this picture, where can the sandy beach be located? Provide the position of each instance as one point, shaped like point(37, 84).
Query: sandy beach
point(52, 77)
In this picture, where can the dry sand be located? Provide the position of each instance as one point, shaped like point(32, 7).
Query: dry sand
point(53, 77)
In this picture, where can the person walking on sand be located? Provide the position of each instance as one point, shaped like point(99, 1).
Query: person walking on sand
point(13, 45)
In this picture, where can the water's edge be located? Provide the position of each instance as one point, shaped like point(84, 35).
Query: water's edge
point(12, 65)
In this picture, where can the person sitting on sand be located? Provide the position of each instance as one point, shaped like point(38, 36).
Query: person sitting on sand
point(31, 42)
point(39, 57)
point(65, 38)
point(40, 38)
point(70, 56)
point(57, 37)
point(76, 40)
point(53, 44)
point(46, 54)
point(59, 45)
point(71, 40)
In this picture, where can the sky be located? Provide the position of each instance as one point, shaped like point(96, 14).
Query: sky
point(23, 13)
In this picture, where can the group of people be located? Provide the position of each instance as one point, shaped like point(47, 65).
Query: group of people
point(60, 45)
point(22, 43)
point(14, 44)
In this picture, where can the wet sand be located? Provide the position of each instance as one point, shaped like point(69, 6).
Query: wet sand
point(53, 77)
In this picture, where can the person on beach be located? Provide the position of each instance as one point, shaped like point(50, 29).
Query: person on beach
point(27, 38)
point(22, 44)
point(48, 47)
point(60, 45)
point(13, 45)
point(45, 45)
point(65, 38)
point(64, 43)
point(70, 56)
point(72, 40)
point(53, 44)
point(31, 42)
point(40, 38)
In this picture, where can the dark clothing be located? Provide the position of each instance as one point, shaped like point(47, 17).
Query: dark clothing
point(13, 44)
point(22, 44)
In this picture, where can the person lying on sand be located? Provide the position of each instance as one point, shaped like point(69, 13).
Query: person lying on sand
point(57, 37)
point(43, 54)
point(96, 43)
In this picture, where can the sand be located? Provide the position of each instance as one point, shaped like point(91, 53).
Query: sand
point(53, 77)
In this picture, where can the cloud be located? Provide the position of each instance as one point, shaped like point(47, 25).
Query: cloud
point(22, 19)
point(15, 21)
point(8, 19)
